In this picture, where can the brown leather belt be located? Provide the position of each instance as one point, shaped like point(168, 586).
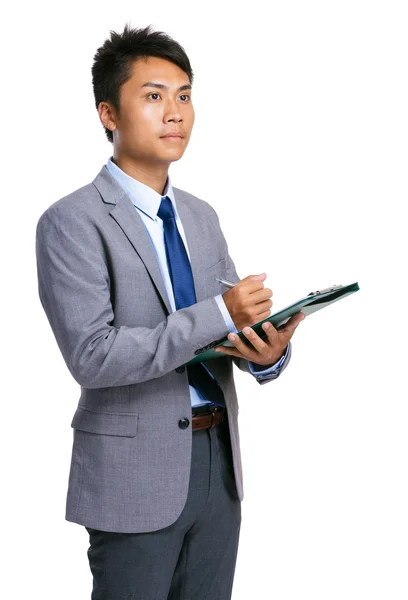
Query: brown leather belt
point(205, 420)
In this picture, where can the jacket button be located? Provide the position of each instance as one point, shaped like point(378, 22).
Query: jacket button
point(180, 369)
point(184, 423)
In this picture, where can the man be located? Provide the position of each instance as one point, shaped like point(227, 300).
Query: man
point(127, 271)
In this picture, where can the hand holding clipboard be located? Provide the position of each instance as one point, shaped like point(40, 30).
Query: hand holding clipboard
point(311, 303)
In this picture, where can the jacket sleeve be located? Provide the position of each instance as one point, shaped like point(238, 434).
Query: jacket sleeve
point(75, 291)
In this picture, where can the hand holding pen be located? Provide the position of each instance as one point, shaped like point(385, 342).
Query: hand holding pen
point(248, 302)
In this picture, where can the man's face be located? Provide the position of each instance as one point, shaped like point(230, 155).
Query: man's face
point(154, 102)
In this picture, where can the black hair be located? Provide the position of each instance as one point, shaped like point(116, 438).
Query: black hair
point(113, 61)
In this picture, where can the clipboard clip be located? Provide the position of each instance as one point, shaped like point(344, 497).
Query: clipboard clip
point(329, 289)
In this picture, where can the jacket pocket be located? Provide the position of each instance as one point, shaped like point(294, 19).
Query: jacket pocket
point(218, 266)
point(105, 423)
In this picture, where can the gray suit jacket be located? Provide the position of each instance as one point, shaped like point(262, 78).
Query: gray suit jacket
point(104, 296)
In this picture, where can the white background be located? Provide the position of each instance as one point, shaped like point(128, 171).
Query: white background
point(300, 144)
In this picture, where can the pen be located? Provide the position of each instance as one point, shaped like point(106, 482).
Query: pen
point(229, 284)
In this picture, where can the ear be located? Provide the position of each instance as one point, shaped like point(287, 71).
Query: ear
point(107, 115)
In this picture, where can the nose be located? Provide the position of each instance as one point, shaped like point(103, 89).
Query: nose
point(172, 112)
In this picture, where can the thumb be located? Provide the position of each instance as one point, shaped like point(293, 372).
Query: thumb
point(259, 277)
point(288, 329)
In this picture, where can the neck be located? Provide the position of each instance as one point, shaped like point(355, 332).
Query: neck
point(153, 175)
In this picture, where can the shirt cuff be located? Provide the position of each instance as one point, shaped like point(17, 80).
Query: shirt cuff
point(256, 369)
point(224, 311)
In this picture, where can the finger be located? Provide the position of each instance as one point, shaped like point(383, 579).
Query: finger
point(252, 278)
point(257, 277)
point(289, 328)
point(263, 296)
point(263, 310)
point(253, 286)
point(256, 341)
point(228, 350)
point(261, 317)
point(243, 350)
point(271, 332)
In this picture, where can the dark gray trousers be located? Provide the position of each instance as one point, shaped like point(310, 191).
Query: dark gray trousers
point(192, 559)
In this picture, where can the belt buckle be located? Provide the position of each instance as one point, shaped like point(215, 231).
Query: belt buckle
point(213, 410)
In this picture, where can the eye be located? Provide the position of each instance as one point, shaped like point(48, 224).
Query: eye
point(185, 96)
point(153, 94)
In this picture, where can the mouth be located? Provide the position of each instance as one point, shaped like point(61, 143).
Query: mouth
point(172, 136)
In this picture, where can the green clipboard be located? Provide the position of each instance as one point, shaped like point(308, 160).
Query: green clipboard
point(308, 305)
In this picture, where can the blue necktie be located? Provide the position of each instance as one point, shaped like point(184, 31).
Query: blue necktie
point(184, 294)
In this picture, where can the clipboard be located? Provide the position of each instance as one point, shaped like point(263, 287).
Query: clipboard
point(309, 304)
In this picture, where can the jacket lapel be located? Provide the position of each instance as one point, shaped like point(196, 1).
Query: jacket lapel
point(133, 227)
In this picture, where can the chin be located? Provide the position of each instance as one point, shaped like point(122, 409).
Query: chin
point(172, 156)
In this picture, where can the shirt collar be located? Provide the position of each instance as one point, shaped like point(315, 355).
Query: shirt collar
point(142, 196)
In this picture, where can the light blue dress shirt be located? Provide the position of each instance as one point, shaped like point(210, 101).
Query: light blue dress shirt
point(147, 202)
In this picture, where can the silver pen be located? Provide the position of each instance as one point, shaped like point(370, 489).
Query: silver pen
point(229, 284)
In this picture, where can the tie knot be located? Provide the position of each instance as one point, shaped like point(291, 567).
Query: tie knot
point(166, 210)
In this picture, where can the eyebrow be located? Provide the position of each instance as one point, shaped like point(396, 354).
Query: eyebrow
point(161, 86)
